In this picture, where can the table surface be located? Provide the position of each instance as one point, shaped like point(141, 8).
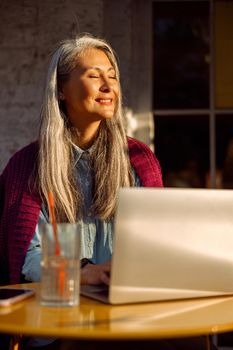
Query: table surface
point(94, 320)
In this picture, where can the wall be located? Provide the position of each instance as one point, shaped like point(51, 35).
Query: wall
point(130, 32)
point(29, 29)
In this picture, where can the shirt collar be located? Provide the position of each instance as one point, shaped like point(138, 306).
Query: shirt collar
point(78, 152)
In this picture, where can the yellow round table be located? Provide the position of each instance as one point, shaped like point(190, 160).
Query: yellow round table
point(94, 320)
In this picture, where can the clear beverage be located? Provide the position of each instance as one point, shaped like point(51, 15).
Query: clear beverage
point(60, 281)
point(60, 268)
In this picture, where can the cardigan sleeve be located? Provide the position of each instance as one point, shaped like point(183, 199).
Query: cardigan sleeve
point(145, 164)
point(19, 212)
point(3, 262)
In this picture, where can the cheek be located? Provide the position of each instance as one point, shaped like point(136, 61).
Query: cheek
point(117, 95)
point(87, 90)
point(116, 90)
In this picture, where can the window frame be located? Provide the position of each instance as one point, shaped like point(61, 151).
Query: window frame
point(212, 111)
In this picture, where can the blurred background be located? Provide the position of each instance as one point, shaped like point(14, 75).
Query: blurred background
point(176, 62)
point(193, 92)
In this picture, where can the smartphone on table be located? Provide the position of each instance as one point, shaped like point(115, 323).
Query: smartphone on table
point(9, 296)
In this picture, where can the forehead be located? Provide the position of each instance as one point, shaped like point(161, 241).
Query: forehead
point(92, 58)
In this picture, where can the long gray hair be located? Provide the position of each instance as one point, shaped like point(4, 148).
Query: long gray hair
point(110, 160)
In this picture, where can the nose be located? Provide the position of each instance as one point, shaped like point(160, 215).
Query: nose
point(106, 85)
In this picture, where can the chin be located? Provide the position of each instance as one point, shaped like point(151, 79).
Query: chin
point(102, 115)
point(106, 116)
point(109, 116)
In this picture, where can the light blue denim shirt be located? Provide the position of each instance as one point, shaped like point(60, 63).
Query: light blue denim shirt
point(97, 235)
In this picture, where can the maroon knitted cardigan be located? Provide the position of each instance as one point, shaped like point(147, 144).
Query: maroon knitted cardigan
point(19, 208)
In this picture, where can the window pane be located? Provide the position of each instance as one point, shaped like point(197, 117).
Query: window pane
point(224, 54)
point(181, 55)
point(182, 146)
point(224, 147)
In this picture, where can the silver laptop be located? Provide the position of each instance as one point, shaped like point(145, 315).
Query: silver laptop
point(169, 244)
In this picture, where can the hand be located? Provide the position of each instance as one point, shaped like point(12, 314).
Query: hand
point(96, 274)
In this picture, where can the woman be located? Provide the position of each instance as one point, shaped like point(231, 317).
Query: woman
point(83, 156)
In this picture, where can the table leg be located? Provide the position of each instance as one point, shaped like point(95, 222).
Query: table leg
point(15, 342)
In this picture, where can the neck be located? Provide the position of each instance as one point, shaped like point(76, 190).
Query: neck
point(85, 137)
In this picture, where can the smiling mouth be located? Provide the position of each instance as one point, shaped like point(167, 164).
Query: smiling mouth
point(104, 101)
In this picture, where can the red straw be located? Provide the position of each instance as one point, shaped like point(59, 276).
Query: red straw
point(57, 244)
point(54, 223)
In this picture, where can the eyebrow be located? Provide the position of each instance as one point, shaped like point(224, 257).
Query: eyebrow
point(99, 69)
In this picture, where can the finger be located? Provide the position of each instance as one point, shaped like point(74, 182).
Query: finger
point(107, 266)
point(105, 278)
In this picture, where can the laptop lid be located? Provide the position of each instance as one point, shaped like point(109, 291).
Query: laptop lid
point(172, 243)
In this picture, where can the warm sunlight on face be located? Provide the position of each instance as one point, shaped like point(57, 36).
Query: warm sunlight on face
point(92, 92)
